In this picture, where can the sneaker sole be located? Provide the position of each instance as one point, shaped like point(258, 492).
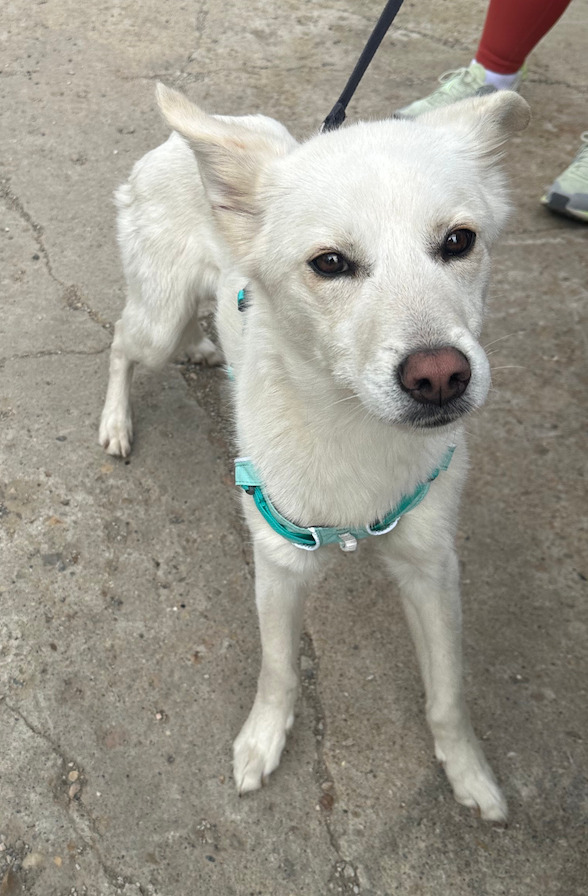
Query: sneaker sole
point(558, 202)
point(484, 90)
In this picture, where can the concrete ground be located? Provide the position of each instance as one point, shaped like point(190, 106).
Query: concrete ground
point(128, 638)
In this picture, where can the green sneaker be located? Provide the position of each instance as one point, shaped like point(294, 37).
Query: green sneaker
point(568, 195)
point(455, 85)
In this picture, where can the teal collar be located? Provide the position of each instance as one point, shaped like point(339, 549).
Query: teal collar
point(313, 537)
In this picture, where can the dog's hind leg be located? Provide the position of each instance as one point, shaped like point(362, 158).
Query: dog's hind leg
point(116, 424)
point(159, 317)
point(280, 594)
point(429, 589)
point(199, 349)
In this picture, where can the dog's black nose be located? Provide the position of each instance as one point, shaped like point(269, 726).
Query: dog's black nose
point(435, 376)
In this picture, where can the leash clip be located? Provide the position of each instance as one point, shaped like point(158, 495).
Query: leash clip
point(334, 119)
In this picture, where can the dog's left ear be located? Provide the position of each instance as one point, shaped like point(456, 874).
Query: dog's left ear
point(232, 154)
point(488, 120)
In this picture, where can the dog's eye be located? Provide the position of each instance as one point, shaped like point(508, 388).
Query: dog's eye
point(458, 243)
point(331, 264)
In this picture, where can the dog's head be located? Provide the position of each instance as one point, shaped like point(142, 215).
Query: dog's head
point(371, 244)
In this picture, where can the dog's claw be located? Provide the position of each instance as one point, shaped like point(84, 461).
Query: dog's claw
point(116, 437)
point(472, 780)
point(258, 747)
point(482, 795)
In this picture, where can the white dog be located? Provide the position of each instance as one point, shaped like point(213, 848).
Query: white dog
point(351, 274)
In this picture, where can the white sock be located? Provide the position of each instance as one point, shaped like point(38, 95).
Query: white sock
point(500, 82)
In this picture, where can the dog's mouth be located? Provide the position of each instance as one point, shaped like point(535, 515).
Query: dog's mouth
point(421, 416)
point(399, 408)
point(412, 415)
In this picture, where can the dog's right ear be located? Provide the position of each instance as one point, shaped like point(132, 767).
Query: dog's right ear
point(231, 153)
point(489, 120)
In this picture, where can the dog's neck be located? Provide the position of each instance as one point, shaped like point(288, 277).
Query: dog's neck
point(320, 453)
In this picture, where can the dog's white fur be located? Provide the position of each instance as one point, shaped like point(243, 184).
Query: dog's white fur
point(318, 403)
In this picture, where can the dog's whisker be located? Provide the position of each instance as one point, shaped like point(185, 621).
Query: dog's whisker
point(510, 367)
point(341, 400)
point(499, 339)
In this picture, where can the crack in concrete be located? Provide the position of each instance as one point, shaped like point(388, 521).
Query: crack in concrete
point(546, 81)
point(433, 38)
point(14, 203)
point(38, 732)
point(81, 819)
point(87, 831)
point(200, 27)
point(74, 299)
point(71, 294)
point(120, 881)
point(51, 353)
point(88, 836)
point(192, 77)
point(553, 237)
point(344, 875)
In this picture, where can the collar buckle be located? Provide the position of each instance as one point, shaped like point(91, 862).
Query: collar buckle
point(347, 542)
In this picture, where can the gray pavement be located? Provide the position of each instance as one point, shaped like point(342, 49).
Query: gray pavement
point(128, 639)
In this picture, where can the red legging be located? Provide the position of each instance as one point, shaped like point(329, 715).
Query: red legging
point(512, 29)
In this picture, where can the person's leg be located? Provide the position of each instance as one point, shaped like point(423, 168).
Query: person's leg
point(512, 29)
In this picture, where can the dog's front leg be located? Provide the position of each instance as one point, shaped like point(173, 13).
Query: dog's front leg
point(116, 424)
point(280, 591)
point(429, 584)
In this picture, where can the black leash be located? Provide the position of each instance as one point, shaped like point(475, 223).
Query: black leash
point(336, 116)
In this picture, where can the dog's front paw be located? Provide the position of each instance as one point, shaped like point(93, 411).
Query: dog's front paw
point(258, 748)
point(205, 352)
point(472, 780)
point(116, 433)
